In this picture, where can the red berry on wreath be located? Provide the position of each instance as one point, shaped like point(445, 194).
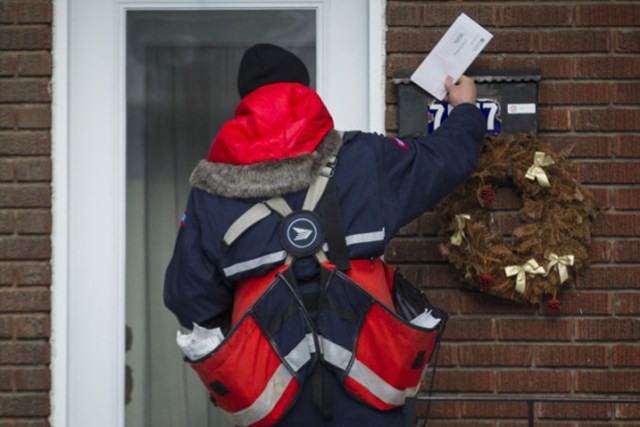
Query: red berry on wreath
point(485, 281)
point(488, 196)
point(553, 305)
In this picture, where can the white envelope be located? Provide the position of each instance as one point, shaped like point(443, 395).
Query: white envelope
point(453, 54)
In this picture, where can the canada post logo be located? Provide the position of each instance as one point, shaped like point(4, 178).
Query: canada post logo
point(302, 233)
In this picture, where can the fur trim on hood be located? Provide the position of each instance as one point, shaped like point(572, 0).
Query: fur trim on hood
point(266, 179)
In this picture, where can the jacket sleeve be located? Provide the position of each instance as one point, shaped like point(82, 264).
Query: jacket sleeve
point(193, 289)
point(419, 172)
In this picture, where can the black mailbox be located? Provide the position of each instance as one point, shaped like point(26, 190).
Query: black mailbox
point(508, 102)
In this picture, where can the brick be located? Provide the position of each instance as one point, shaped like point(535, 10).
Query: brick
point(410, 229)
point(573, 41)
point(480, 303)
point(34, 117)
point(7, 118)
point(584, 411)
point(6, 170)
point(16, 248)
point(22, 90)
point(34, 12)
point(6, 327)
point(35, 64)
point(37, 169)
point(32, 423)
point(493, 410)
point(607, 382)
point(573, 93)
point(24, 405)
point(33, 222)
point(583, 146)
point(602, 197)
point(511, 41)
point(7, 222)
point(627, 303)
point(446, 300)
point(506, 199)
point(33, 273)
point(25, 300)
point(391, 118)
point(572, 356)
point(32, 326)
point(455, 423)
point(428, 224)
point(584, 303)
point(25, 195)
point(628, 41)
point(437, 276)
point(412, 39)
point(553, 119)
point(24, 353)
point(402, 65)
point(627, 251)
point(447, 356)
point(607, 14)
point(470, 329)
point(6, 380)
point(8, 64)
point(411, 250)
point(607, 67)
point(625, 411)
point(403, 14)
point(463, 381)
point(25, 38)
point(7, 274)
point(600, 251)
point(531, 15)
point(607, 329)
point(7, 12)
point(550, 66)
point(626, 356)
point(616, 225)
point(534, 330)
point(627, 198)
point(626, 93)
point(611, 119)
point(628, 146)
point(25, 143)
point(438, 410)
point(609, 278)
point(495, 355)
point(533, 381)
point(442, 14)
point(610, 172)
point(33, 379)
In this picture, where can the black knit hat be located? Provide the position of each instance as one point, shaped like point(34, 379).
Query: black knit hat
point(264, 64)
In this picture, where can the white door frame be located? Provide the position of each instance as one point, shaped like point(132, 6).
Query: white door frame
point(89, 181)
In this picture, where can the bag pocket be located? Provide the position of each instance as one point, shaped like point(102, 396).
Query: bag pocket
point(246, 375)
point(391, 353)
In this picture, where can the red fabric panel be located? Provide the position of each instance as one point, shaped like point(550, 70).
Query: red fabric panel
point(389, 348)
point(281, 407)
point(273, 122)
point(375, 277)
point(248, 291)
point(365, 395)
point(244, 364)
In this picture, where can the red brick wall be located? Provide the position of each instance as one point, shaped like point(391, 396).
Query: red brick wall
point(25, 212)
point(587, 52)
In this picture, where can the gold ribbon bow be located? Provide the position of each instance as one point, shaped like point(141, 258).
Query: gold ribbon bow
point(457, 237)
point(531, 267)
point(540, 159)
point(561, 263)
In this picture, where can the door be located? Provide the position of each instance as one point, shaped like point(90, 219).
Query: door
point(148, 86)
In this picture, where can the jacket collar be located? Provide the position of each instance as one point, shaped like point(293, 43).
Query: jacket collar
point(268, 178)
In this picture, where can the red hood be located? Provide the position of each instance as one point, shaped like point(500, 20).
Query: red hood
point(273, 122)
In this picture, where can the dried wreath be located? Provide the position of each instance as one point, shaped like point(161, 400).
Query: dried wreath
point(555, 229)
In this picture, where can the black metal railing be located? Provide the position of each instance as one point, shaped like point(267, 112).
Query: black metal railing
point(530, 401)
